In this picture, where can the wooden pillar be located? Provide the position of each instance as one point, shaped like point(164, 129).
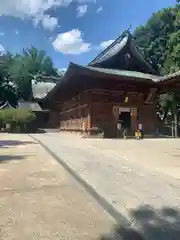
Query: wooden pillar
point(89, 117)
point(134, 122)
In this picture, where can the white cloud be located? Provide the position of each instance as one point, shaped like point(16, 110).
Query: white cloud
point(71, 43)
point(49, 22)
point(2, 50)
point(29, 8)
point(62, 70)
point(33, 9)
point(86, 1)
point(100, 9)
point(81, 10)
point(105, 44)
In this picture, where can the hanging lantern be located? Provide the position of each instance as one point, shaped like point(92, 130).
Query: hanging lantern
point(126, 99)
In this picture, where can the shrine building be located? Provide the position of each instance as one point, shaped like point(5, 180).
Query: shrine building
point(117, 89)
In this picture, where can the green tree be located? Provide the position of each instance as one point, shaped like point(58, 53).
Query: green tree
point(23, 68)
point(159, 40)
point(9, 92)
point(17, 118)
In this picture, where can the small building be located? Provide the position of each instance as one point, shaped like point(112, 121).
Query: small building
point(116, 91)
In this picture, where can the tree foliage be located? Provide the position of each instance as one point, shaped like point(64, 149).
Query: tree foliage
point(23, 68)
point(159, 40)
point(17, 71)
point(17, 116)
point(18, 119)
point(9, 92)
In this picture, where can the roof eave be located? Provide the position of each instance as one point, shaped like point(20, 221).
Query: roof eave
point(59, 84)
point(140, 57)
point(171, 76)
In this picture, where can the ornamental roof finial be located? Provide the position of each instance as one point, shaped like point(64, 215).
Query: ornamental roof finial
point(127, 32)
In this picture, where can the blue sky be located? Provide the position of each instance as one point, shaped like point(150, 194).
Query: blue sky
point(70, 30)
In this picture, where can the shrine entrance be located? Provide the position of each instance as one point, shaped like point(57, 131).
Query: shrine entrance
point(123, 120)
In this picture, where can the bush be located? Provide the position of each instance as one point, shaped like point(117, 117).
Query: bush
point(18, 119)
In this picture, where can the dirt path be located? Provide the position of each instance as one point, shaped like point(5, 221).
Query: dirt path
point(40, 200)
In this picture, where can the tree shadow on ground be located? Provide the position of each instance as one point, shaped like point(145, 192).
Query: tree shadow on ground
point(11, 143)
point(149, 224)
point(7, 158)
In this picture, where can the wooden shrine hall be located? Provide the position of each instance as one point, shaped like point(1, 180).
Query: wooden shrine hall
point(116, 91)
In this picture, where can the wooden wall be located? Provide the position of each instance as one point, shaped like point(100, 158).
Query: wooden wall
point(74, 113)
point(102, 117)
point(73, 120)
point(54, 119)
point(147, 116)
point(94, 109)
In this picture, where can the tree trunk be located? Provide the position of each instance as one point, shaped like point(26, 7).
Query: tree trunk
point(172, 128)
point(175, 125)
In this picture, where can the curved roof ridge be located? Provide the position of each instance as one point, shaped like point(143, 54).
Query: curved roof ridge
point(125, 34)
point(115, 49)
point(140, 55)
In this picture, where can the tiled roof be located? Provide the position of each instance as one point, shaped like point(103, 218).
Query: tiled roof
point(172, 75)
point(30, 105)
point(122, 46)
point(124, 73)
point(75, 71)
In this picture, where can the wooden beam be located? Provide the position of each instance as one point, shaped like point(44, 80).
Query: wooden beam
point(89, 116)
point(169, 89)
point(150, 96)
point(74, 108)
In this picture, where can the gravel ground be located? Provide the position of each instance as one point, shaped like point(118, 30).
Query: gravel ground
point(40, 200)
point(140, 179)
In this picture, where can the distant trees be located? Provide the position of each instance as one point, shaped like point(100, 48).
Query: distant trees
point(17, 71)
point(32, 62)
point(18, 119)
point(159, 39)
point(9, 92)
